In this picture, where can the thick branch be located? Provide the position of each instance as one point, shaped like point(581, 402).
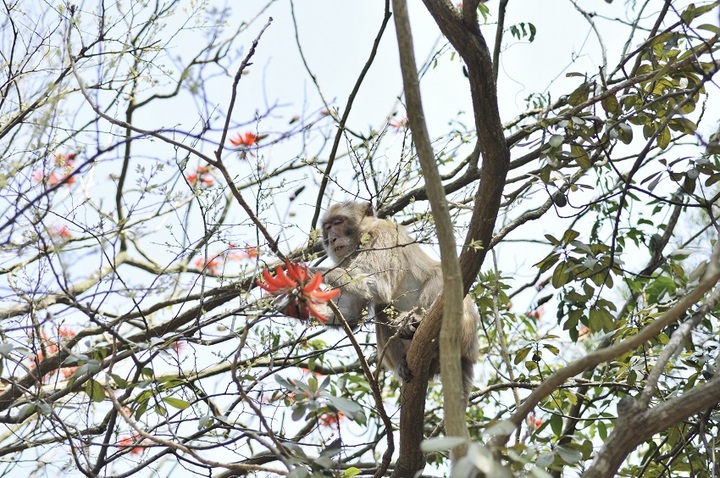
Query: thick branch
point(712, 276)
point(465, 36)
point(467, 39)
point(634, 428)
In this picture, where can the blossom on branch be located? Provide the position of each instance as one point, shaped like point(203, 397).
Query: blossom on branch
point(212, 265)
point(534, 422)
point(61, 232)
point(131, 443)
point(200, 176)
point(302, 290)
point(398, 124)
point(246, 139)
point(331, 420)
point(62, 171)
point(235, 252)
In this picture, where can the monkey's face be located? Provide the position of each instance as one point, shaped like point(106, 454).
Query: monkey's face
point(340, 236)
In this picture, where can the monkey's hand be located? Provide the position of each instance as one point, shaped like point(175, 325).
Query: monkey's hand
point(409, 322)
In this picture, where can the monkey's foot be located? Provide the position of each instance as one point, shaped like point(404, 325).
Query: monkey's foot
point(403, 370)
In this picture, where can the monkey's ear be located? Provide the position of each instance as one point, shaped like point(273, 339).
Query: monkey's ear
point(368, 209)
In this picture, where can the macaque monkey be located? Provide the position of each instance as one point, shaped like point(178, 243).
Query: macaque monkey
point(381, 271)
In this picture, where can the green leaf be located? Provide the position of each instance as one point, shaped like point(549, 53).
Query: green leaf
point(350, 472)
point(602, 430)
point(551, 239)
point(569, 455)
point(692, 12)
point(683, 125)
point(601, 319)
point(298, 472)
point(95, 391)
point(205, 422)
point(561, 275)
point(659, 288)
point(580, 94)
point(298, 412)
point(141, 409)
point(346, 406)
point(712, 179)
point(503, 427)
point(521, 355)
point(625, 133)
point(556, 140)
point(709, 27)
point(119, 381)
point(544, 460)
point(569, 236)
point(556, 424)
point(580, 155)
point(610, 104)
point(663, 139)
point(6, 348)
point(176, 403)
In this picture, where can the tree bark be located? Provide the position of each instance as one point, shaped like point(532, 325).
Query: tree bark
point(636, 426)
point(453, 310)
point(464, 34)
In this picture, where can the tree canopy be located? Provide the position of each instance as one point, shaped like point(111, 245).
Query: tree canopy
point(164, 167)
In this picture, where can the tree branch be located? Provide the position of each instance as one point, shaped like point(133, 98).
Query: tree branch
point(453, 310)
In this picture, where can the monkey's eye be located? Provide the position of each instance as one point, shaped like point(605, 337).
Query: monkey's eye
point(335, 221)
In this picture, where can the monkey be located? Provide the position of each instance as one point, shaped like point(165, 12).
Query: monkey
point(382, 271)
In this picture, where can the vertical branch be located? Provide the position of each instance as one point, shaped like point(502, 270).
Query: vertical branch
point(451, 329)
point(498, 38)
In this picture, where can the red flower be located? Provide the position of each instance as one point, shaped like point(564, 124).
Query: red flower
point(61, 232)
point(66, 332)
point(52, 179)
point(201, 175)
point(68, 372)
point(212, 265)
point(303, 291)
point(236, 252)
point(131, 442)
point(331, 419)
point(247, 139)
point(63, 162)
point(178, 346)
point(536, 313)
point(398, 123)
point(534, 422)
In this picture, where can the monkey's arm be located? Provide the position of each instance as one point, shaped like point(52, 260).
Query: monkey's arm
point(355, 297)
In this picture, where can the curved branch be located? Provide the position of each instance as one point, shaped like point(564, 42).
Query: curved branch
point(712, 276)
